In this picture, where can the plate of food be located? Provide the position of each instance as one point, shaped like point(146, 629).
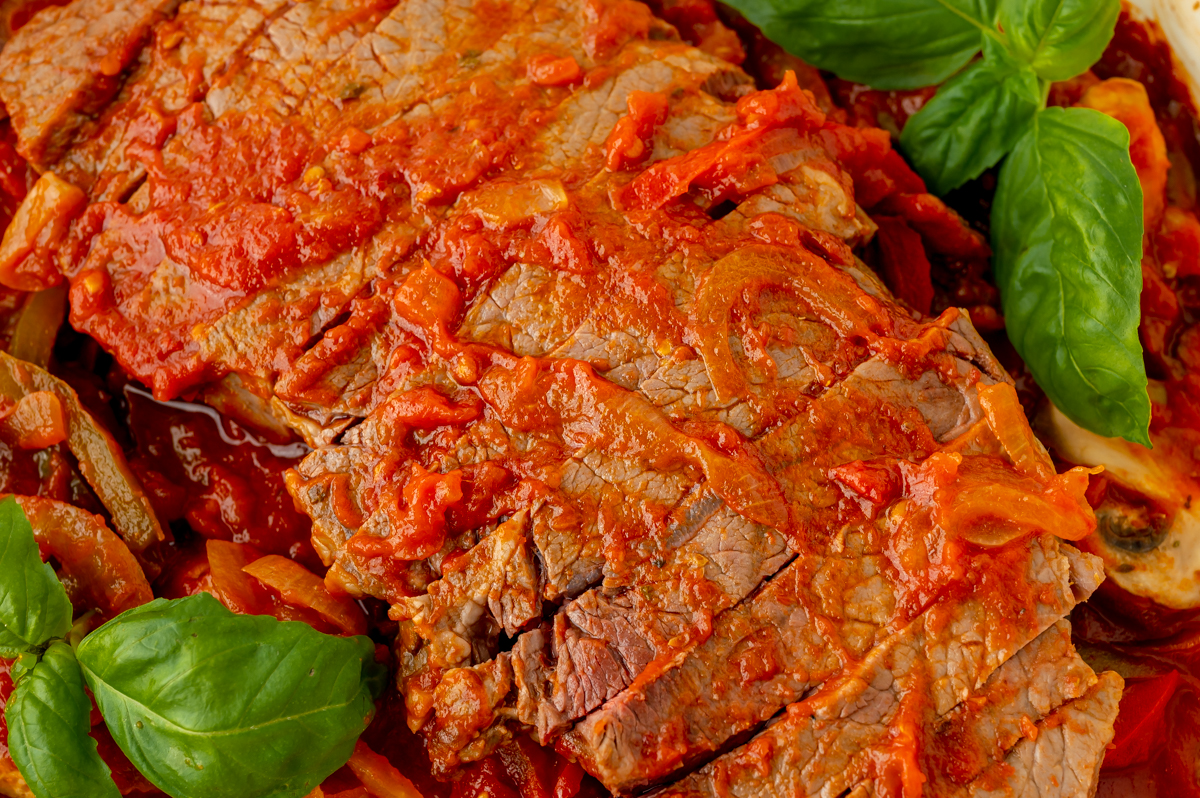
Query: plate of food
point(572, 398)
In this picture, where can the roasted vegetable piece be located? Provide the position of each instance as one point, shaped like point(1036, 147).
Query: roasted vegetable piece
point(96, 567)
point(36, 421)
point(37, 327)
point(36, 229)
point(100, 458)
point(300, 587)
point(1141, 720)
point(378, 775)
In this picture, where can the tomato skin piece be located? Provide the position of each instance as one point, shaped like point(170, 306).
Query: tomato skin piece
point(905, 265)
point(1141, 723)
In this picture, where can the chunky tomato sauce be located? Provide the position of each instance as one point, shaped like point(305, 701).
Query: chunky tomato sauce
point(299, 202)
point(226, 484)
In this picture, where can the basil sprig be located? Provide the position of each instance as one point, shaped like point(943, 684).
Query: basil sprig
point(208, 703)
point(1058, 38)
point(974, 119)
point(205, 703)
point(1067, 220)
point(34, 607)
point(47, 713)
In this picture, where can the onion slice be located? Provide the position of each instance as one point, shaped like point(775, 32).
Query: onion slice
point(831, 294)
point(379, 775)
point(1007, 422)
point(101, 460)
point(300, 587)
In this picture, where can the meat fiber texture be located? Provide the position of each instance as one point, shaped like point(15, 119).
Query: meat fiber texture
point(647, 463)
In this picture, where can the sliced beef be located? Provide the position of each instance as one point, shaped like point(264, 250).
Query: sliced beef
point(464, 729)
point(854, 735)
point(645, 459)
point(602, 645)
point(495, 580)
point(1039, 679)
point(610, 512)
point(1063, 757)
point(785, 641)
point(66, 64)
point(175, 70)
point(292, 55)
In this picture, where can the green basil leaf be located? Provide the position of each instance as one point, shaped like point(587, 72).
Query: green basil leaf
point(11, 646)
point(209, 704)
point(973, 120)
point(888, 44)
point(1059, 38)
point(33, 604)
point(48, 717)
point(1067, 231)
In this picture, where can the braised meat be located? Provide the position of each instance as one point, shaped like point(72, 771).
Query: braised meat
point(646, 462)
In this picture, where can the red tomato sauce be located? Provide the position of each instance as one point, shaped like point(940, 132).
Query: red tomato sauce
point(226, 484)
point(224, 481)
point(209, 475)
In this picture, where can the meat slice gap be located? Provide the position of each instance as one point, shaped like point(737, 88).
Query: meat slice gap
point(777, 647)
point(862, 737)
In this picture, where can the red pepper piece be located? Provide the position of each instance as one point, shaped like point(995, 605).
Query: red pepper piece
point(1140, 724)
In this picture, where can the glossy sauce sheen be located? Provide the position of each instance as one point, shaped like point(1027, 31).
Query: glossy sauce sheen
point(226, 483)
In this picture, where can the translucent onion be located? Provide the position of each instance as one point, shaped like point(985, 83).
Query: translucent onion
point(832, 295)
point(300, 587)
point(230, 583)
point(1009, 425)
point(379, 775)
point(996, 514)
point(101, 460)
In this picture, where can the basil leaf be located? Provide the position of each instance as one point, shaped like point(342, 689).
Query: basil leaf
point(888, 44)
point(1067, 231)
point(209, 704)
point(1059, 38)
point(33, 604)
point(972, 121)
point(11, 646)
point(48, 717)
